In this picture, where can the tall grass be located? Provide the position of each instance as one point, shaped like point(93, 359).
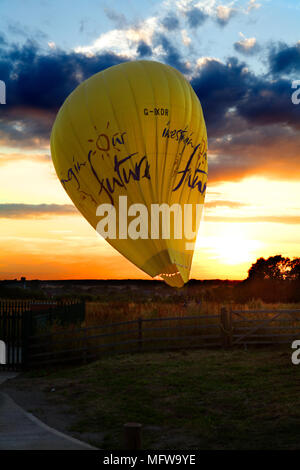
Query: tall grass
point(98, 313)
point(174, 329)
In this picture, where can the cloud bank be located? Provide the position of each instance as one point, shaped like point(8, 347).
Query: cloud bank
point(253, 126)
point(24, 211)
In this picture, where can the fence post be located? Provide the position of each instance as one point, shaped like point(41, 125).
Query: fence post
point(27, 330)
point(133, 436)
point(226, 327)
point(140, 333)
point(230, 328)
point(86, 347)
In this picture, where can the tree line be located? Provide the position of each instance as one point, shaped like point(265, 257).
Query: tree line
point(275, 279)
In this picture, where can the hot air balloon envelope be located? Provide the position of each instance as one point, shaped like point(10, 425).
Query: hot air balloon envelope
point(129, 146)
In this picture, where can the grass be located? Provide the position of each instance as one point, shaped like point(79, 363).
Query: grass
point(99, 313)
point(233, 399)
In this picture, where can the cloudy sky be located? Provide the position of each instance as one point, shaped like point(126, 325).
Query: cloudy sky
point(241, 58)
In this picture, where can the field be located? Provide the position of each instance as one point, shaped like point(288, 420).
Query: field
point(98, 313)
point(232, 399)
point(120, 327)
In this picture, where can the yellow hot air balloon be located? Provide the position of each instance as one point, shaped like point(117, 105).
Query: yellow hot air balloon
point(129, 146)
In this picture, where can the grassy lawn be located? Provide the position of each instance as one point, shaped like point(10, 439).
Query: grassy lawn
point(185, 400)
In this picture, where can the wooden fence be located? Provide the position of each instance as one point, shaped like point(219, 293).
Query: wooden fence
point(143, 334)
point(39, 333)
point(230, 328)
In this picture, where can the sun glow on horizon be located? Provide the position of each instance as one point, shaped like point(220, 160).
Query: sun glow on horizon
point(231, 246)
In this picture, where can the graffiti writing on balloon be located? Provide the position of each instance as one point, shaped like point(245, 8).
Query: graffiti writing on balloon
point(192, 178)
point(112, 147)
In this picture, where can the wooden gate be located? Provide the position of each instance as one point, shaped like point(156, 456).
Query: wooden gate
point(260, 327)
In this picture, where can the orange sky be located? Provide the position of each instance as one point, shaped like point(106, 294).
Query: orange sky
point(241, 58)
point(243, 220)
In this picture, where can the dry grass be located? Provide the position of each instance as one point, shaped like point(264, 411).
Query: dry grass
point(98, 313)
point(165, 326)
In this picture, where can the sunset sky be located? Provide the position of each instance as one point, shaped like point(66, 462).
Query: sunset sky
point(240, 57)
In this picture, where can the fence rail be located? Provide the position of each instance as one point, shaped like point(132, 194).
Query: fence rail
point(128, 336)
point(27, 328)
point(229, 328)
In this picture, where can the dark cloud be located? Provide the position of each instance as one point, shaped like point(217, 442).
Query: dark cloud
point(36, 86)
point(43, 81)
point(143, 49)
point(269, 102)
point(266, 151)
point(221, 87)
point(170, 22)
point(24, 211)
point(172, 55)
point(253, 126)
point(25, 127)
point(233, 98)
point(285, 59)
point(195, 17)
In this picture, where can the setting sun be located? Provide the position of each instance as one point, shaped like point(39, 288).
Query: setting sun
point(234, 248)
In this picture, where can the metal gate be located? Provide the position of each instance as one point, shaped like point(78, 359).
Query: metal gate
point(20, 319)
point(15, 318)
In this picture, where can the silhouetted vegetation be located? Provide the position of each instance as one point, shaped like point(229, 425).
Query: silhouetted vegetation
point(276, 279)
point(20, 293)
